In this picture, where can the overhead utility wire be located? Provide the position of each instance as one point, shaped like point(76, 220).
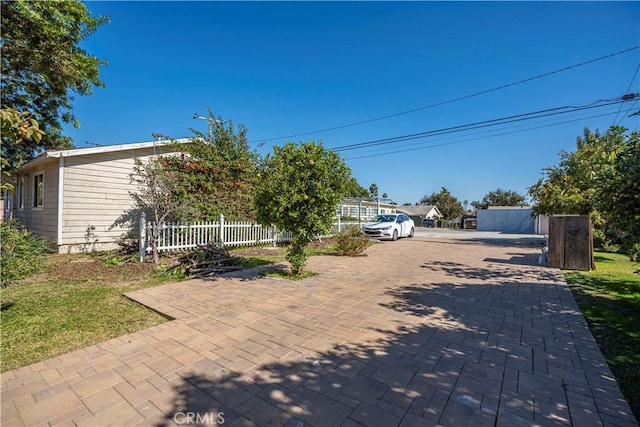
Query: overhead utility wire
point(489, 132)
point(455, 99)
point(487, 129)
point(627, 91)
point(458, 128)
point(482, 124)
point(475, 139)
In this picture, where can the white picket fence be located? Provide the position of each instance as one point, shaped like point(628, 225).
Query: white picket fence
point(175, 237)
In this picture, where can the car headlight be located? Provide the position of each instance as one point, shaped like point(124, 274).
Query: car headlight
point(385, 228)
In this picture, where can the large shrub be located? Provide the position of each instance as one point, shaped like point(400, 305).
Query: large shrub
point(351, 242)
point(22, 253)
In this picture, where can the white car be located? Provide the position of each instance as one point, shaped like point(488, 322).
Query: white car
point(389, 226)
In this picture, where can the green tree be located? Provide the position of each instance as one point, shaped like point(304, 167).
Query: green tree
point(16, 128)
point(448, 205)
point(502, 197)
point(574, 186)
point(216, 175)
point(42, 66)
point(373, 190)
point(619, 199)
point(300, 188)
point(354, 189)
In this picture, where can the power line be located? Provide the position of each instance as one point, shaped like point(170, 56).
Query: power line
point(627, 91)
point(551, 120)
point(483, 92)
point(386, 153)
point(481, 124)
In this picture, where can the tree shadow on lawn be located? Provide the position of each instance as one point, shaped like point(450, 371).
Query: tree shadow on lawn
point(448, 354)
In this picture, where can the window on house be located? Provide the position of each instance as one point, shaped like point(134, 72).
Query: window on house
point(20, 192)
point(8, 200)
point(38, 190)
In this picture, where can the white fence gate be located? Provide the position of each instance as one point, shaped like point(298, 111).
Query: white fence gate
point(172, 237)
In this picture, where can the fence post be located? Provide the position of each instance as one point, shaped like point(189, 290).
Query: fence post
point(221, 225)
point(339, 224)
point(143, 238)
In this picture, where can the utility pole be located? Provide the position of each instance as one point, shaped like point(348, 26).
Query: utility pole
point(210, 121)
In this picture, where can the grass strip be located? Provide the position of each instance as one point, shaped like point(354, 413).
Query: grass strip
point(609, 298)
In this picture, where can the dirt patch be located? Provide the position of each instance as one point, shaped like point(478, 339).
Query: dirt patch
point(82, 268)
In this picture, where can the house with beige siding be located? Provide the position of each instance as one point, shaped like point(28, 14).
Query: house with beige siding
point(73, 198)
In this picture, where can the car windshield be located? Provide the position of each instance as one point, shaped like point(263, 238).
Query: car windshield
point(384, 218)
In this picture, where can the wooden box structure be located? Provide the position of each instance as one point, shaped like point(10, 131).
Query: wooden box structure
point(570, 242)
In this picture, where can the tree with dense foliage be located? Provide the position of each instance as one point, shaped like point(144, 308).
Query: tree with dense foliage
point(448, 205)
point(216, 174)
point(300, 188)
point(574, 186)
point(16, 128)
point(42, 66)
point(502, 197)
point(619, 199)
point(354, 189)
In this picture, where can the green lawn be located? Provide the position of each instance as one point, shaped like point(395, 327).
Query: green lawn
point(77, 302)
point(609, 298)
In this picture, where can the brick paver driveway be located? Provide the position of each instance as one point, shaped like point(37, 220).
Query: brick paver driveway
point(420, 332)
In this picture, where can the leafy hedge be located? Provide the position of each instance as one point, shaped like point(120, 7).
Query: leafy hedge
point(22, 253)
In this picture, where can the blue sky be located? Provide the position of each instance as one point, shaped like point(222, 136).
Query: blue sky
point(290, 71)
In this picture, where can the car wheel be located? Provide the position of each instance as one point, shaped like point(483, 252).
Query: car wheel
point(411, 232)
point(395, 235)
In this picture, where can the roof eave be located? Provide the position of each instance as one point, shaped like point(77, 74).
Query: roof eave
point(53, 154)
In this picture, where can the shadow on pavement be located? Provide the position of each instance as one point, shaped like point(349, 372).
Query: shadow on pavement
point(487, 273)
point(473, 354)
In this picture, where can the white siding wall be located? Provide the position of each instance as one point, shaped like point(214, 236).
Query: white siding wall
point(96, 194)
point(40, 220)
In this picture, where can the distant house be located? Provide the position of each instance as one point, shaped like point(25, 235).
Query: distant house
point(364, 209)
point(419, 212)
point(73, 197)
